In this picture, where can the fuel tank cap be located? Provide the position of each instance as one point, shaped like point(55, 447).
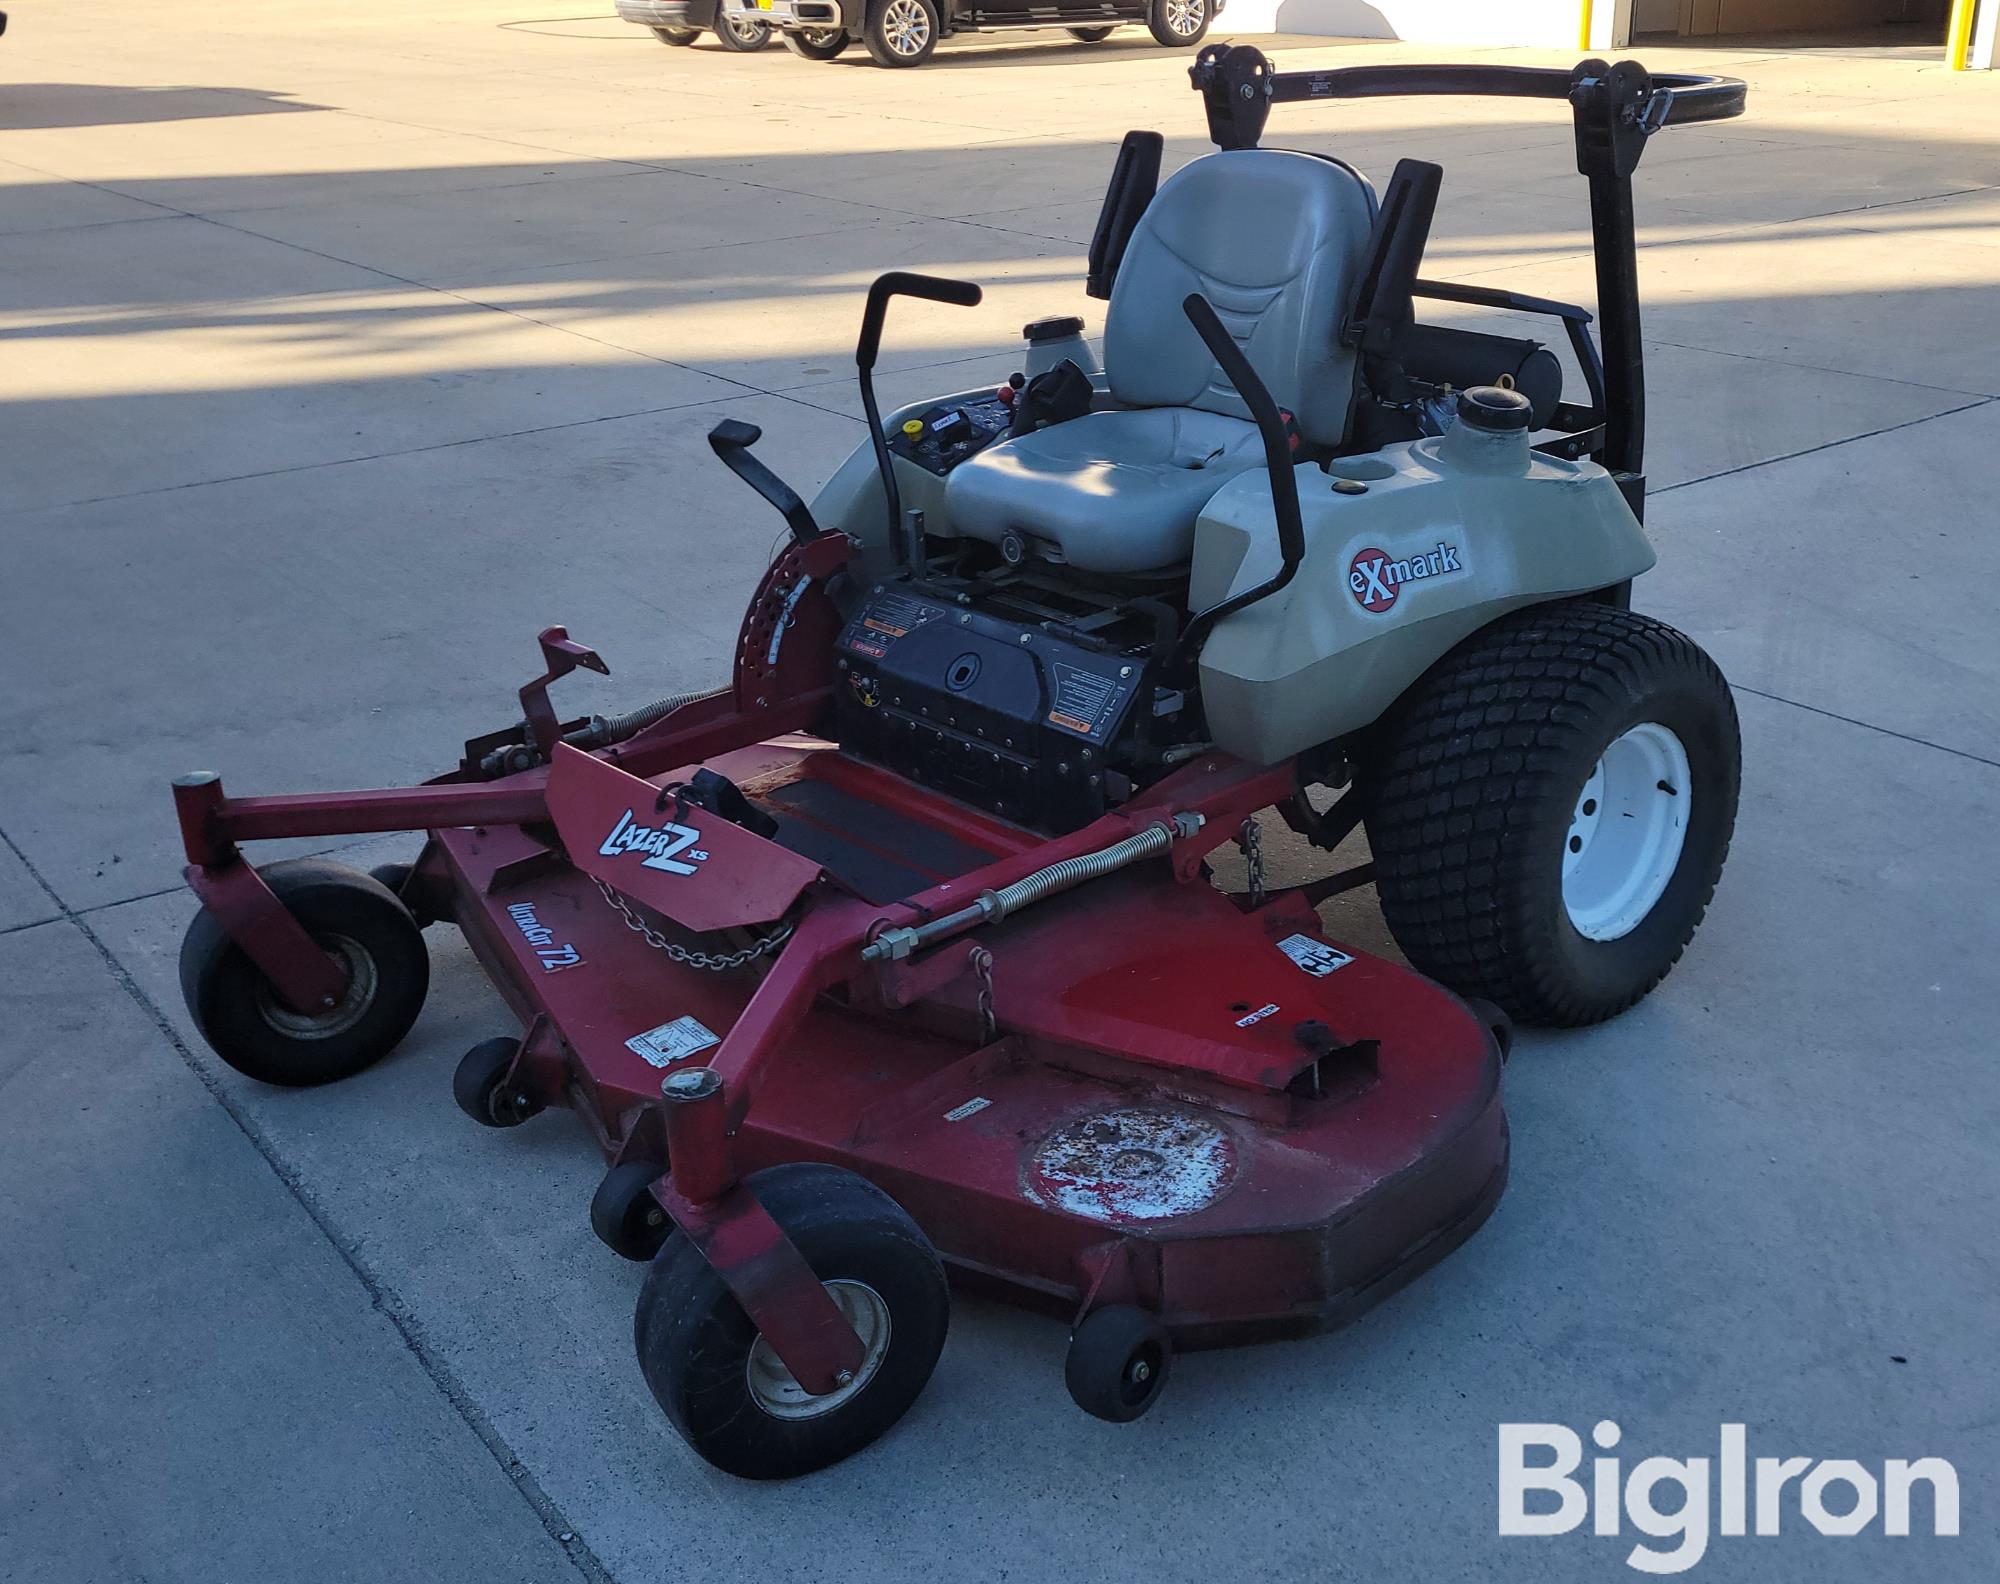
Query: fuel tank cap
point(1494, 409)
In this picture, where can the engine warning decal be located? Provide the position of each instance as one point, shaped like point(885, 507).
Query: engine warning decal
point(1268, 1009)
point(1315, 957)
point(886, 618)
point(672, 1042)
point(971, 1107)
point(1084, 700)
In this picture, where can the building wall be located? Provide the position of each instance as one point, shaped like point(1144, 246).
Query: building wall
point(1544, 22)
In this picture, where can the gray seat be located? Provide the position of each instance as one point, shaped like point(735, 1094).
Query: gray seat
point(1274, 241)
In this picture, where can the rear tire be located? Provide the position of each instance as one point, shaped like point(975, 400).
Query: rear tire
point(725, 1390)
point(679, 38)
point(817, 44)
point(739, 34)
point(353, 917)
point(1554, 733)
point(1089, 35)
point(901, 32)
point(1177, 24)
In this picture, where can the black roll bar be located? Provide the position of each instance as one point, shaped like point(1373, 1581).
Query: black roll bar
point(1615, 110)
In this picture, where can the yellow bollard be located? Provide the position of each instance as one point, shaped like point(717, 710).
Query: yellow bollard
point(1957, 33)
point(1583, 28)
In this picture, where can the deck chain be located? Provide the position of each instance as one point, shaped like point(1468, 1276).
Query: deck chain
point(710, 962)
point(1251, 839)
point(980, 960)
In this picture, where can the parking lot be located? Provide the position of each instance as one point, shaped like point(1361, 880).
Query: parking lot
point(347, 348)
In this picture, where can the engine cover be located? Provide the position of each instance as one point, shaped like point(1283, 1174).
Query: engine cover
point(1006, 716)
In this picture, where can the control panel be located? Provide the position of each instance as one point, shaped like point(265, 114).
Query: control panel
point(939, 438)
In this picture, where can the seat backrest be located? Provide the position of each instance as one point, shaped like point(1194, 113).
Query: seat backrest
point(1275, 241)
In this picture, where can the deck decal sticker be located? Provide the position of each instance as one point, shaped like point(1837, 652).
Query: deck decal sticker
point(1133, 1164)
point(1316, 957)
point(542, 939)
point(672, 1042)
point(971, 1107)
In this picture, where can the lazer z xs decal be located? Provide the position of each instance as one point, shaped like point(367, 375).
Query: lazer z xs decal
point(669, 847)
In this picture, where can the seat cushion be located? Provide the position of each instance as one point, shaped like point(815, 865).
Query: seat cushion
point(1108, 492)
point(1274, 240)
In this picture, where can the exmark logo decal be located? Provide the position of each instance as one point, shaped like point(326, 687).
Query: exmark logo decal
point(552, 957)
point(1376, 578)
point(669, 848)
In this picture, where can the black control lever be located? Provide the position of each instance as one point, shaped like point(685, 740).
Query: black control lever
point(897, 283)
point(731, 440)
point(1277, 461)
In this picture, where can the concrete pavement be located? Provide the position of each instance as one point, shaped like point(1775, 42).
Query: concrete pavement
point(350, 347)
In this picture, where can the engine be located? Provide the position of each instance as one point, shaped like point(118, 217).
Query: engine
point(1046, 721)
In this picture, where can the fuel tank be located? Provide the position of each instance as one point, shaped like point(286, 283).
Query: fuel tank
point(1409, 550)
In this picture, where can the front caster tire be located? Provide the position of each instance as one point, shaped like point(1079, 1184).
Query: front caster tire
point(679, 38)
point(901, 32)
point(1118, 1361)
point(741, 34)
point(480, 1085)
point(723, 1387)
point(817, 44)
point(1553, 810)
point(624, 1214)
point(356, 920)
point(1176, 24)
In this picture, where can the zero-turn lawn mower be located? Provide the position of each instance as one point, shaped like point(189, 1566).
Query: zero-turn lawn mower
point(900, 955)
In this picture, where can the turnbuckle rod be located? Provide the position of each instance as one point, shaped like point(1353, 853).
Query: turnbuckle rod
point(893, 945)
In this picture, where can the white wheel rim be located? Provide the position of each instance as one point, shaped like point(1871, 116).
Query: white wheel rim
point(777, 1391)
point(1626, 832)
point(334, 1020)
point(1184, 16)
point(746, 29)
point(820, 38)
point(906, 27)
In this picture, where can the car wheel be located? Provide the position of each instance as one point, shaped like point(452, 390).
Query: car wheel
point(1089, 35)
point(680, 38)
point(1178, 23)
point(741, 34)
point(819, 44)
point(901, 32)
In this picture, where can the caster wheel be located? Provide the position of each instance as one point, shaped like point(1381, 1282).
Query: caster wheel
point(1118, 1361)
point(394, 877)
point(624, 1214)
point(678, 38)
point(1552, 810)
point(721, 1384)
point(355, 919)
point(1095, 35)
point(480, 1086)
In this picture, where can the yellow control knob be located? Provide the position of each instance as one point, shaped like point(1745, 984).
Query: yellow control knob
point(913, 426)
